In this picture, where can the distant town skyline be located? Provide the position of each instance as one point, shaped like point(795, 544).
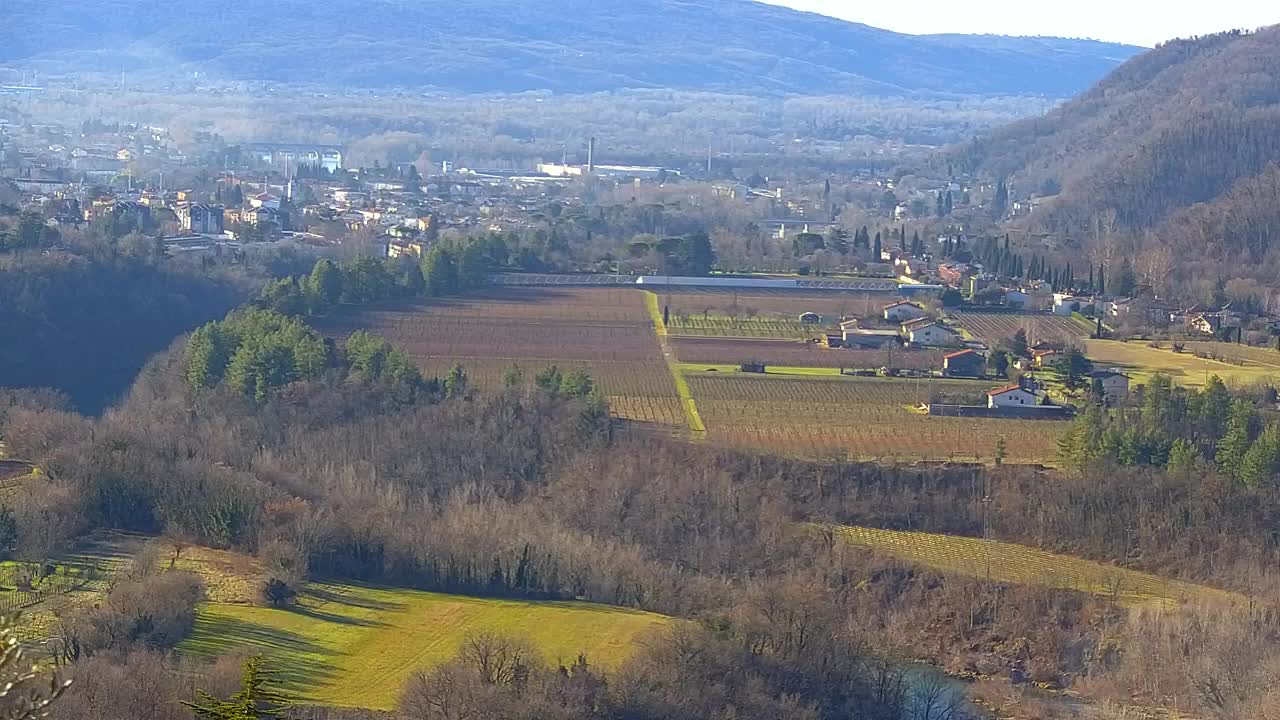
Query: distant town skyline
point(1135, 22)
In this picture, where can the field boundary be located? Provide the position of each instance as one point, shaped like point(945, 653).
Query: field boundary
point(687, 403)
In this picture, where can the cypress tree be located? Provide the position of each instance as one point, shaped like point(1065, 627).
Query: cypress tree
point(1102, 282)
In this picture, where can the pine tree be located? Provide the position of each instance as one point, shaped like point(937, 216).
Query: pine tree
point(1235, 442)
point(257, 699)
point(1262, 459)
point(1102, 282)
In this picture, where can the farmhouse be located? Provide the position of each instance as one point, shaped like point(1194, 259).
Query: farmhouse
point(933, 335)
point(855, 337)
point(1010, 396)
point(966, 363)
point(1114, 385)
point(903, 311)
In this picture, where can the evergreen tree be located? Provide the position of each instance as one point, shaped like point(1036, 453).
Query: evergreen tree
point(440, 272)
point(1262, 459)
point(1102, 281)
point(876, 251)
point(324, 285)
point(257, 699)
point(1235, 442)
point(1184, 457)
point(455, 383)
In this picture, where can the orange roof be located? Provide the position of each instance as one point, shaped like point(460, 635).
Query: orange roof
point(1005, 389)
point(948, 356)
point(901, 303)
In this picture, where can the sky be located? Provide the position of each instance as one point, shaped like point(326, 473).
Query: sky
point(1137, 22)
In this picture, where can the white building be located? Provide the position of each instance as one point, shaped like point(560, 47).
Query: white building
point(901, 312)
point(1011, 396)
point(933, 335)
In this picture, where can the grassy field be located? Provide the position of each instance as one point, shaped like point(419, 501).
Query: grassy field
point(356, 646)
point(1022, 565)
point(1140, 362)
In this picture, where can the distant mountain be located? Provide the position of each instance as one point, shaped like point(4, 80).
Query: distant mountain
point(567, 46)
point(1177, 149)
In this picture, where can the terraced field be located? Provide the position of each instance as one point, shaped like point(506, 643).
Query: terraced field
point(1022, 565)
point(356, 646)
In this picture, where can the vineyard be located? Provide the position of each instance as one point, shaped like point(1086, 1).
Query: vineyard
point(1022, 565)
point(859, 419)
point(779, 304)
point(799, 354)
point(606, 331)
point(726, 326)
point(1040, 327)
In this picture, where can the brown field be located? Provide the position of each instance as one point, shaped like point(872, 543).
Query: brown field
point(1040, 327)
point(731, 351)
point(606, 331)
point(859, 419)
point(778, 303)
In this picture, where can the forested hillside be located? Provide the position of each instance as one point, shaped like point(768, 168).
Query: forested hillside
point(1182, 142)
point(86, 325)
point(570, 46)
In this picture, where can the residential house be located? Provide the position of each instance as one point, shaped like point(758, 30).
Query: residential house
point(902, 311)
point(1113, 384)
point(933, 335)
point(1064, 304)
point(855, 337)
point(204, 219)
point(1206, 323)
point(1011, 396)
point(965, 363)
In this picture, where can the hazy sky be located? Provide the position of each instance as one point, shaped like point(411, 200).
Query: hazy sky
point(1138, 22)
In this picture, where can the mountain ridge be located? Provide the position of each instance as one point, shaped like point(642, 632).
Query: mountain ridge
point(569, 46)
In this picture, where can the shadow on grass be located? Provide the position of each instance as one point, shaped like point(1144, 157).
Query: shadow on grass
point(322, 594)
point(300, 664)
point(323, 616)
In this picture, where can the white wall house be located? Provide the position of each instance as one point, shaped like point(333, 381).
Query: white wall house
point(1115, 385)
point(933, 335)
point(1012, 396)
point(902, 311)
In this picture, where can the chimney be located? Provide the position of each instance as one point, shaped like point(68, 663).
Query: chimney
point(591, 156)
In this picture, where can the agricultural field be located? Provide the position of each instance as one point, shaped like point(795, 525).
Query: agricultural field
point(82, 579)
point(738, 327)
point(860, 419)
point(991, 327)
point(799, 354)
point(355, 646)
point(606, 331)
point(1140, 361)
point(773, 304)
point(1022, 565)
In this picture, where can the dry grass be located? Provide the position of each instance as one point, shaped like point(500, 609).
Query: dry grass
point(1140, 362)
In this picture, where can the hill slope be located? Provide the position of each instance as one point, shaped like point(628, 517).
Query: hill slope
point(513, 45)
point(1184, 139)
